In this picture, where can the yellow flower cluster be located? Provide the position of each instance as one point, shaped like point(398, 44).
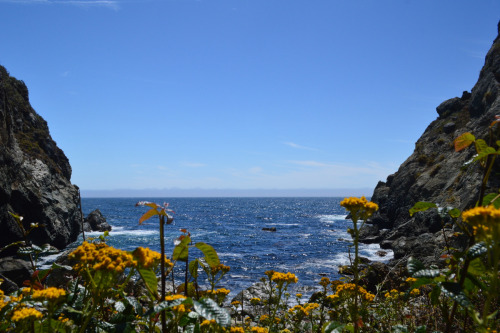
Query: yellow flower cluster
point(206, 323)
point(348, 289)
point(411, 280)
point(222, 291)
point(485, 222)
point(255, 301)
point(237, 329)
point(26, 314)
point(257, 329)
point(174, 297)
point(303, 310)
point(180, 309)
point(264, 318)
point(100, 256)
point(360, 208)
point(324, 281)
point(146, 258)
point(415, 292)
point(2, 299)
point(235, 303)
point(51, 294)
point(281, 278)
point(393, 294)
point(220, 268)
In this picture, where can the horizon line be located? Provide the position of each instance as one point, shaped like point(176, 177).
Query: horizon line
point(200, 192)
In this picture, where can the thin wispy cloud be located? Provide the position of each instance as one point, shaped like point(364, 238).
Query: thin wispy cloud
point(296, 146)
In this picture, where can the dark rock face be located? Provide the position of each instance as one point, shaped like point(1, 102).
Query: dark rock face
point(97, 222)
point(34, 173)
point(436, 173)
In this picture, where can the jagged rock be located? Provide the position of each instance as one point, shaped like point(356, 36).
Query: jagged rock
point(97, 221)
point(7, 286)
point(34, 173)
point(15, 269)
point(436, 173)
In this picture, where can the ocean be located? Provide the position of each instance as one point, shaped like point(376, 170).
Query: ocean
point(311, 238)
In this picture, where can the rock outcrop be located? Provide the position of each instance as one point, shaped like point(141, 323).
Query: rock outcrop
point(95, 221)
point(34, 173)
point(436, 173)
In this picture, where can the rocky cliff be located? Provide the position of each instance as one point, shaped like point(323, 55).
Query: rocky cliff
point(34, 173)
point(436, 173)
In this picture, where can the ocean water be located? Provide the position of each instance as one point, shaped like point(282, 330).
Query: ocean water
point(311, 238)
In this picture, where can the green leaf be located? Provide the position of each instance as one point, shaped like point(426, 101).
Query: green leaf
point(455, 292)
point(477, 250)
point(414, 265)
point(209, 309)
point(150, 213)
point(181, 250)
point(464, 141)
point(427, 273)
point(435, 293)
point(333, 327)
point(484, 154)
point(399, 329)
point(492, 198)
point(476, 267)
point(421, 329)
point(211, 256)
point(421, 206)
point(455, 213)
point(481, 145)
point(149, 278)
point(193, 268)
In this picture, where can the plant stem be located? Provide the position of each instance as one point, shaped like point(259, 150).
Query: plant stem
point(162, 270)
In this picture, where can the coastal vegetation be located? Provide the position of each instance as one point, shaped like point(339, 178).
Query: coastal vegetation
point(111, 290)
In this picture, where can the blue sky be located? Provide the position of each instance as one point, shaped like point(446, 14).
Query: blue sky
point(242, 94)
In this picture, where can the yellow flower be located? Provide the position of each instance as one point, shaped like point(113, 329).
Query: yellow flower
point(257, 329)
point(298, 295)
point(174, 297)
point(235, 303)
point(281, 278)
point(485, 222)
point(100, 256)
point(360, 208)
point(207, 323)
point(26, 314)
point(415, 292)
point(237, 329)
point(147, 258)
point(264, 318)
point(255, 301)
point(51, 294)
point(324, 281)
point(411, 280)
point(222, 291)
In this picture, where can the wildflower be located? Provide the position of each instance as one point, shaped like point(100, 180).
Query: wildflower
point(222, 291)
point(26, 314)
point(237, 329)
point(235, 303)
point(263, 318)
point(255, 301)
point(360, 208)
point(207, 323)
point(298, 295)
point(174, 297)
point(146, 258)
point(415, 292)
point(485, 222)
point(411, 280)
point(286, 330)
point(324, 281)
point(100, 256)
point(50, 294)
point(257, 329)
point(281, 278)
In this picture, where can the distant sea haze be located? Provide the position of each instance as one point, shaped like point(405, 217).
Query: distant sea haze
point(201, 193)
point(310, 240)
